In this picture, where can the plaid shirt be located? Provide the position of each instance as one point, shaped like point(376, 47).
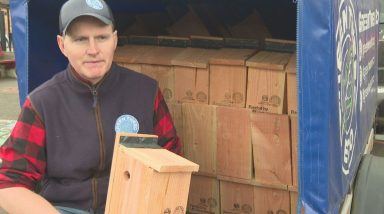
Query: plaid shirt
point(23, 154)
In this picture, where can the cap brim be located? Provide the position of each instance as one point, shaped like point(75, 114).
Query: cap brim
point(101, 18)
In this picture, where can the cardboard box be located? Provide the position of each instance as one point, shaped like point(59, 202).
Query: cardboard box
point(271, 148)
point(204, 195)
point(228, 75)
point(234, 149)
point(268, 200)
point(236, 198)
point(266, 82)
point(199, 139)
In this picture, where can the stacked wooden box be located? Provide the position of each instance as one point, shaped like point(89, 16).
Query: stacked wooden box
point(229, 108)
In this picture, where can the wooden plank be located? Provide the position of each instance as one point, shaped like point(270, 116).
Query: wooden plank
point(266, 91)
point(191, 84)
point(192, 75)
point(253, 182)
point(292, 86)
point(227, 85)
point(271, 200)
point(204, 195)
point(294, 141)
point(177, 118)
point(130, 53)
point(178, 186)
point(200, 136)
point(159, 55)
point(194, 57)
point(234, 151)
point(165, 76)
point(161, 160)
point(292, 101)
point(185, 80)
point(292, 64)
point(133, 66)
point(271, 148)
point(236, 198)
point(231, 56)
point(269, 60)
point(228, 77)
point(293, 198)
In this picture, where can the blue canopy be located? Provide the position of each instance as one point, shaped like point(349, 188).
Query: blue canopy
point(337, 52)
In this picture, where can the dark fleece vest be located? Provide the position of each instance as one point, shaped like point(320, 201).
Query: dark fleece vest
point(79, 122)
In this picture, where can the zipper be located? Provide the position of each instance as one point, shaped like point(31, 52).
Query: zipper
point(99, 125)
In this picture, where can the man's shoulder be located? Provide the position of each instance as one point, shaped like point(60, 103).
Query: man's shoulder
point(56, 80)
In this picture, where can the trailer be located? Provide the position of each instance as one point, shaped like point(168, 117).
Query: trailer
point(337, 52)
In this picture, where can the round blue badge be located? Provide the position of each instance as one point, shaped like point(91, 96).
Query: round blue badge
point(95, 4)
point(127, 123)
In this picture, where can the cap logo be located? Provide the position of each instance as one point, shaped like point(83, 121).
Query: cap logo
point(127, 123)
point(95, 4)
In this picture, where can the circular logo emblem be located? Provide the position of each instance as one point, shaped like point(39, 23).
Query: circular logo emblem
point(201, 97)
point(275, 100)
point(127, 123)
point(167, 93)
point(246, 208)
point(237, 97)
point(179, 210)
point(95, 4)
point(212, 203)
point(347, 65)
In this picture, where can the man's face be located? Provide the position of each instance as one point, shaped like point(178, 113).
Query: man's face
point(89, 46)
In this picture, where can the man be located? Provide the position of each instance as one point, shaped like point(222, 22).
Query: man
point(65, 133)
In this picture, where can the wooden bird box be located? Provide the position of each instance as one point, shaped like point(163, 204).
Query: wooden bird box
point(147, 180)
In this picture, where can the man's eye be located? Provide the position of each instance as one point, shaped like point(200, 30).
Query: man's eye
point(102, 38)
point(80, 39)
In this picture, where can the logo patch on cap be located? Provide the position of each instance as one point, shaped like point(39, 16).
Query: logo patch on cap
point(127, 123)
point(95, 4)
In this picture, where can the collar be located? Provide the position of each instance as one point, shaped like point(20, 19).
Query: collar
point(82, 85)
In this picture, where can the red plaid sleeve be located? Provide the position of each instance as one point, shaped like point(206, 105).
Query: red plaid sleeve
point(163, 126)
point(23, 154)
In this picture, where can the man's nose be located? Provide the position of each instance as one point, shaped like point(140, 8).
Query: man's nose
point(92, 48)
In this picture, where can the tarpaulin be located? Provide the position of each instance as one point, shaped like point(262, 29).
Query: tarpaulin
point(337, 63)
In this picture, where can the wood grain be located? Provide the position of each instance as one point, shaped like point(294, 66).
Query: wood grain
point(294, 148)
point(234, 151)
point(204, 195)
point(271, 200)
point(236, 198)
point(271, 148)
point(266, 91)
point(200, 137)
point(269, 60)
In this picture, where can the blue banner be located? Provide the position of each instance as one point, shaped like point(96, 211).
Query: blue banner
point(338, 43)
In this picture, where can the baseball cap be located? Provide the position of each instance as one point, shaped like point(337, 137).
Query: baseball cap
point(73, 9)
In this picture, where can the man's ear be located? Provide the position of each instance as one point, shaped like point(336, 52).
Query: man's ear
point(115, 38)
point(60, 43)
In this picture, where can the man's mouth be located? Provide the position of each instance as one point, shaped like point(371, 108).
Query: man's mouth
point(93, 63)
